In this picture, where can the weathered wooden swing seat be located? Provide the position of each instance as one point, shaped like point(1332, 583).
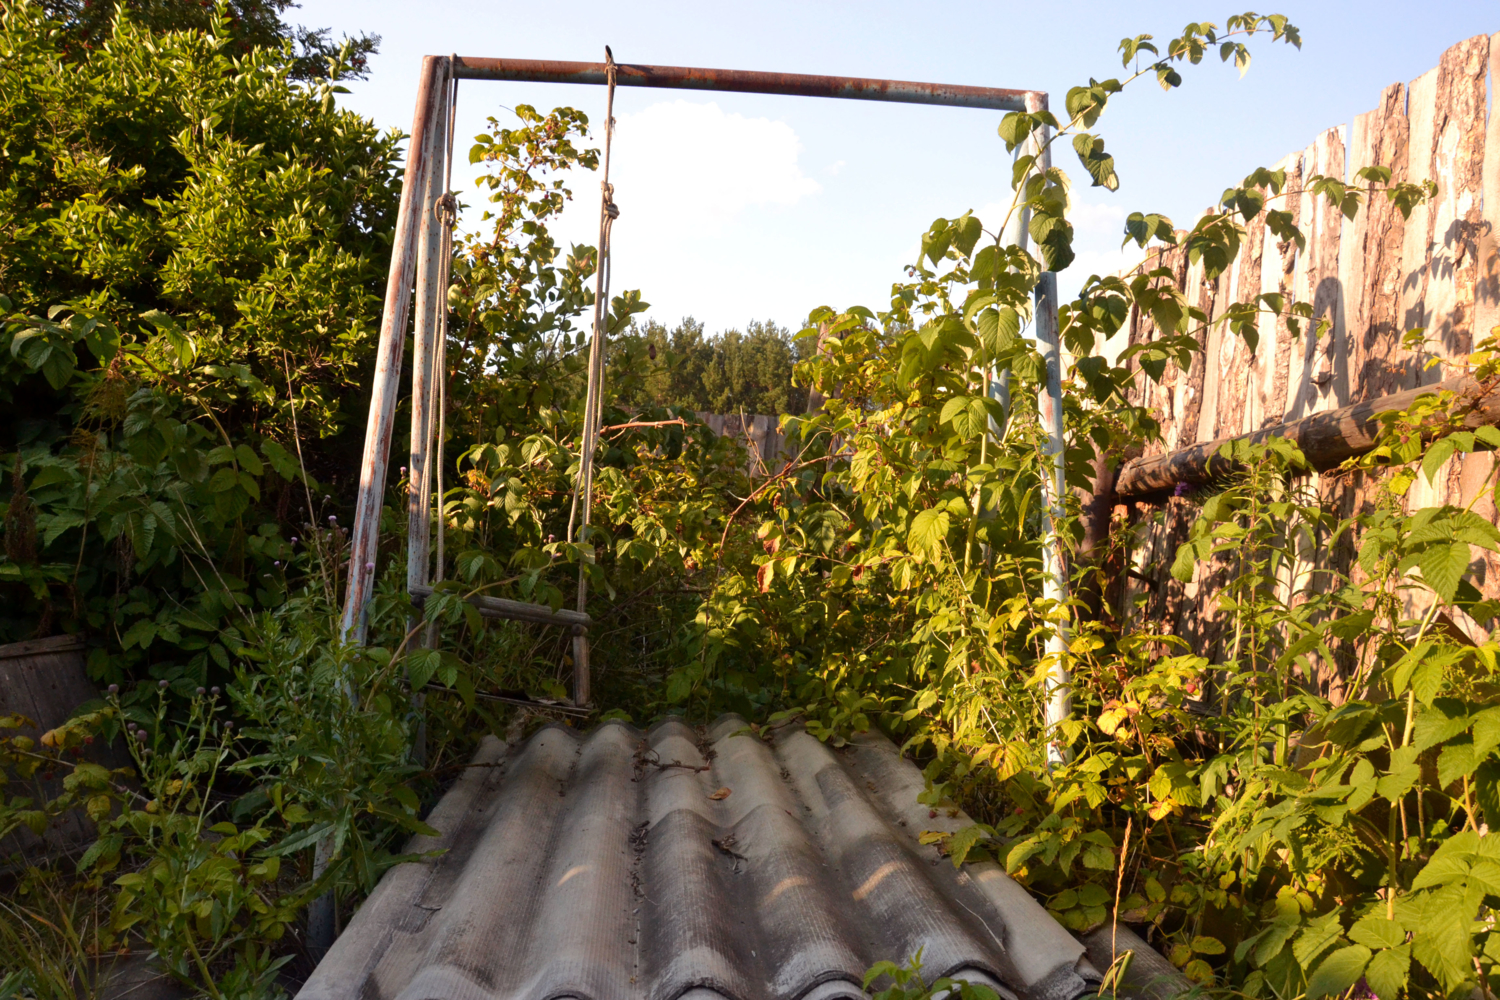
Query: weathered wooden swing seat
point(1325, 438)
point(520, 611)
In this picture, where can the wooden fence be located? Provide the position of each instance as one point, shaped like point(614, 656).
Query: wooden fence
point(759, 433)
point(1373, 278)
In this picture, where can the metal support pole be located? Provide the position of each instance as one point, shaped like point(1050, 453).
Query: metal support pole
point(1059, 690)
point(430, 305)
point(362, 545)
point(427, 121)
point(998, 385)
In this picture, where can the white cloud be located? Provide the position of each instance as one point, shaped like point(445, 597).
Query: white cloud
point(833, 168)
point(687, 166)
point(708, 203)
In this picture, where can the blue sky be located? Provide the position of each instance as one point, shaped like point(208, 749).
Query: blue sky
point(738, 207)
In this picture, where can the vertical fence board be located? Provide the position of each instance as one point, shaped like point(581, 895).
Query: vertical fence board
point(1234, 358)
point(1487, 269)
point(1421, 110)
point(1187, 399)
point(1375, 322)
point(1216, 298)
point(1478, 470)
point(1276, 337)
point(1456, 165)
point(1353, 265)
point(1317, 281)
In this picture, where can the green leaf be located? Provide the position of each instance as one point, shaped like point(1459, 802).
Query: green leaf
point(224, 479)
point(421, 665)
point(281, 460)
point(1374, 931)
point(966, 233)
point(1388, 971)
point(59, 367)
point(1443, 566)
point(969, 415)
point(928, 530)
point(1205, 945)
point(1437, 454)
point(964, 841)
point(1092, 894)
point(248, 459)
point(1099, 164)
point(1318, 934)
point(1338, 971)
point(1456, 761)
point(1446, 719)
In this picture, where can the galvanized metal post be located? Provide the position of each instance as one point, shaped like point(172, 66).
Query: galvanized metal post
point(427, 121)
point(430, 304)
point(1059, 690)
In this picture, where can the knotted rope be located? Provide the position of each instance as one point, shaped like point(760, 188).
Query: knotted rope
point(593, 405)
point(447, 213)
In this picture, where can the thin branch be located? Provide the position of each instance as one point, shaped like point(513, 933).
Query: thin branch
point(634, 424)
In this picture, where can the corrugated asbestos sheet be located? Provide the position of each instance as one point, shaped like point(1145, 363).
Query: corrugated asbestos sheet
point(614, 867)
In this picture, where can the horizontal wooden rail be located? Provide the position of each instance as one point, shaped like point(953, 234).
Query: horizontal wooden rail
point(1325, 438)
point(500, 607)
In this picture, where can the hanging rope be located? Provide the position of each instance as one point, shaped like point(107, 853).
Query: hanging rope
point(447, 213)
point(593, 405)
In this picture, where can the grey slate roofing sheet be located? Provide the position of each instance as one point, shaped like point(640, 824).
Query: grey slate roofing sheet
point(603, 868)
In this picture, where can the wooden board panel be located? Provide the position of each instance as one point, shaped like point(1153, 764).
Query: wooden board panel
point(1187, 397)
point(1316, 280)
point(1441, 246)
point(1447, 147)
point(1233, 360)
point(1421, 109)
point(1374, 321)
point(44, 680)
point(1487, 269)
point(1277, 271)
point(1217, 296)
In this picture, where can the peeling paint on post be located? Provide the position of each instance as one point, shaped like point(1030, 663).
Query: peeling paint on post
point(372, 470)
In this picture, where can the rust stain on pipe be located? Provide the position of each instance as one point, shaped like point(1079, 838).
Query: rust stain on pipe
point(744, 81)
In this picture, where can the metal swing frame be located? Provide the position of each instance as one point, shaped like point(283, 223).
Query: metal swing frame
point(422, 249)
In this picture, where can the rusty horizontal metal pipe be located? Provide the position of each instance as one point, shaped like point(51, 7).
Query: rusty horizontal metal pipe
point(743, 81)
point(1326, 439)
